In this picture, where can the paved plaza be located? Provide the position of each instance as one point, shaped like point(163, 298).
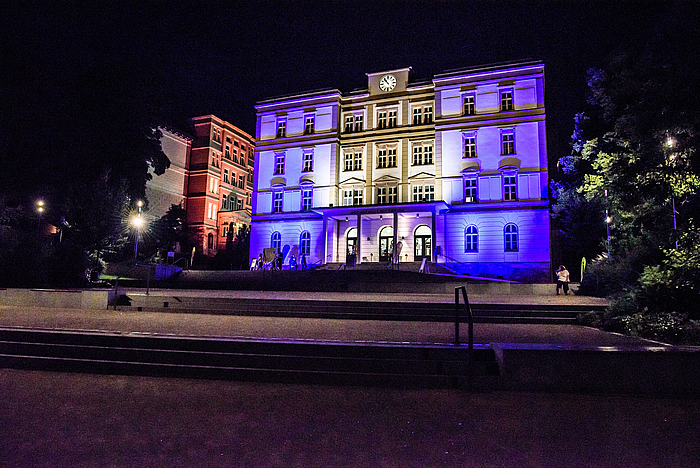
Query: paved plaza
point(64, 419)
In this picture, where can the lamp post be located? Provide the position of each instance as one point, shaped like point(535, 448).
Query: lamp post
point(670, 143)
point(138, 221)
point(608, 219)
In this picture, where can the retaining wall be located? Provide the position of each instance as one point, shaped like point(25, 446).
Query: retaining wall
point(57, 298)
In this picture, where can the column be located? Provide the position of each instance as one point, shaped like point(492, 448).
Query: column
point(396, 231)
point(433, 235)
point(325, 239)
point(359, 239)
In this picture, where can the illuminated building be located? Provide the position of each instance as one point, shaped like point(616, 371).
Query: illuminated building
point(454, 168)
point(220, 181)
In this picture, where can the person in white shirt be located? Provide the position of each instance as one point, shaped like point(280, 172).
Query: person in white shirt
point(563, 279)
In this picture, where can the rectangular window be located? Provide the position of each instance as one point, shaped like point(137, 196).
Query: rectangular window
point(348, 161)
point(226, 176)
point(381, 195)
point(309, 125)
point(358, 162)
point(308, 162)
point(417, 193)
point(358, 123)
point(348, 123)
point(381, 159)
point(239, 203)
point(357, 197)
point(277, 202)
point(392, 119)
point(381, 119)
point(427, 154)
point(391, 159)
point(213, 185)
point(393, 198)
point(249, 199)
point(417, 116)
point(469, 106)
point(428, 114)
point(506, 101)
point(469, 147)
point(241, 181)
point(507, 143)
point(227, 154)
point(306, 199)
point(470, 190)
point(279, 164)
point(429, 193)
point(234, 155)
point(250, 175)
point(417, 155)
point(281, 128)
point(509, 188)
point(347, 197)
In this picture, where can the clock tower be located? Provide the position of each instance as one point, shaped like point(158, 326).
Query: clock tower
point(385, 82)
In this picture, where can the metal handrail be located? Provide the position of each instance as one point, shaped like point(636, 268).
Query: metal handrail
point(186, 262)
point(470, 316)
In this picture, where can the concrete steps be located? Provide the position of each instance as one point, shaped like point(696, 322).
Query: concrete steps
point(355, 310)
point(410, 366)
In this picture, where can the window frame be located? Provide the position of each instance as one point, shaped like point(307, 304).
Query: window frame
point(511, 241)
point(508, 142)
point(279, 163)
point(307, 198)
point(469, 107)
point(471, 184)
point(510, 186)
point(305, 243)
point(307, 161)
point(471, 239)
point(469, 145)
point(278, 201)
point(281, 128)
point(309, 124)
point(506, 100)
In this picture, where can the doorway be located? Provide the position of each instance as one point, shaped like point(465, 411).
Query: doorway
point(386, 243)
point(423, 244)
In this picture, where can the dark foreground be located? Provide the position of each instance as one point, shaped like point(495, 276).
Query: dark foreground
point(56, 419)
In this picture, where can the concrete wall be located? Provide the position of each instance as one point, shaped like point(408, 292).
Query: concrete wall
point(56, 298)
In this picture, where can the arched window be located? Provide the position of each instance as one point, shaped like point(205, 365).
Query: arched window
point(471, 239)
point(511, 237)
point(305, 243)
point(276, 241)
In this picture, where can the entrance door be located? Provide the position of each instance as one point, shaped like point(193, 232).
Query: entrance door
point(423, 247)
point(386, 243)
point(350, 244)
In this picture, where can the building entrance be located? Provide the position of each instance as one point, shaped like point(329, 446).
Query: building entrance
point(351, 246)
point(423, 247)
point(386, 243)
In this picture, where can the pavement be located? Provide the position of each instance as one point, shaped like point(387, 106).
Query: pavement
point(63, 419)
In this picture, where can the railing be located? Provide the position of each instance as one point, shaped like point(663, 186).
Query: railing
point(468, 312)
point(148, 280)
point(186, 267)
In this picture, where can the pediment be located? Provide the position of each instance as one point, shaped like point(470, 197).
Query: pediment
point(422, 175)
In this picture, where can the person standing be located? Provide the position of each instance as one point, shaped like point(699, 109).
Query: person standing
point(563, 279)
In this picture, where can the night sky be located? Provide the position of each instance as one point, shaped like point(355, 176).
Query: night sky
point(221, 58)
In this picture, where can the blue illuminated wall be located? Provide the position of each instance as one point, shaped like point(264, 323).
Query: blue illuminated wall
point(465, 151)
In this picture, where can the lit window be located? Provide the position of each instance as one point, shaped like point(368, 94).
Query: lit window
point(279, 164)
point(507, 143)
point(358, 161)
point(281, 128)
point(305, 243)
point(306, 199)
point(509, 187)
point(470, 190)
point(506, 101)
point(469, 106)
point(391, 159)
point(277, 202)
point(469, 147)
point(308, 162)
point(381, 159)
point(428, 114)
point(429, 192)
point(347, 197)
point(309, 125)
point(471, 239)
point(511, 238)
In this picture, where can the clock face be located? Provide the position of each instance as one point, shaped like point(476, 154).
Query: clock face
point(387, 83)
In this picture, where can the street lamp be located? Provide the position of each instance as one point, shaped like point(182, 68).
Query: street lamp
point(137, 221)
point(39, 209)
point(608, 220)
point(670, 143)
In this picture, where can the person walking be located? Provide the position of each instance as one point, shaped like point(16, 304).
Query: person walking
point(563, 280)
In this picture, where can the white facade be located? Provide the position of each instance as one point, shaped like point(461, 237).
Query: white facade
point(454, 169)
